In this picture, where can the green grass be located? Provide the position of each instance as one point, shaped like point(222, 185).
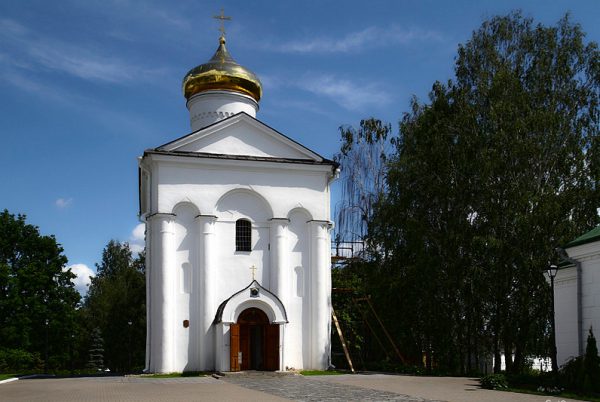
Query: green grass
point(561, 395)
point(6, 376)
point(323, 372)
point(177, 375)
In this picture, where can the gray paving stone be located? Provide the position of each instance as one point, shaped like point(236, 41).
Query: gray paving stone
point(300, 388)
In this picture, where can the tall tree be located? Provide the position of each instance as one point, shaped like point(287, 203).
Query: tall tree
point(499, 169)
point(362, 157)
point(115, 304)
point(37, 296)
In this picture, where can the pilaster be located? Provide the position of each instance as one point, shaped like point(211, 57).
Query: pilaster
point(320, 285)
point(162, 291)
point(279, 275)
point(206, 225)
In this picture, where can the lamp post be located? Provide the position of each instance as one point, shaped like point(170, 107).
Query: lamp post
point(552, 271)
point(71, 352)
point(47, 321)
point(129, 323)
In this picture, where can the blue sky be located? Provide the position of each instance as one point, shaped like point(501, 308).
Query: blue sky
point(88, 85)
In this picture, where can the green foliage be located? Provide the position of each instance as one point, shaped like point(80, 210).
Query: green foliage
point(535, 381)
point(322, 372)
point(591, 365)
point(582, 374)
point(494, 381)
point(571, 374)
point(96, 352)
point(491, 176)
point(487, 180)
point(15, 360)
point(352, 280)
point(116, 305)
point(35, 288)
point(177, 375)
point(363, 156)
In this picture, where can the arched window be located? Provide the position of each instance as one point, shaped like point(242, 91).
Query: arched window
point(243, 235)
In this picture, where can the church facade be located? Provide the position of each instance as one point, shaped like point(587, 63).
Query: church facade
point(237, 236)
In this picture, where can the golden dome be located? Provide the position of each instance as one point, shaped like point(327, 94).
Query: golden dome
point(221, 72)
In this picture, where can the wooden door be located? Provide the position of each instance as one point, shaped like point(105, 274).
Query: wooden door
point(234, 347)
point(244, 346)
point(272, 347)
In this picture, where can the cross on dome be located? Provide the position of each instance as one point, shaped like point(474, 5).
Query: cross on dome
point(222, 73)
point(222, 17)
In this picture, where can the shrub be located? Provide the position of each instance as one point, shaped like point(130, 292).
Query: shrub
point(494, 381)
point(18, 360)
point(591, 365)
point(582, 374)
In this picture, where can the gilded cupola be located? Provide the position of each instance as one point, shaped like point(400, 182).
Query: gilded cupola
point(220, 88)
point(221, 73)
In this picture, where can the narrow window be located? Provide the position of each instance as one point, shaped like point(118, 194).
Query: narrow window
point(243, 235)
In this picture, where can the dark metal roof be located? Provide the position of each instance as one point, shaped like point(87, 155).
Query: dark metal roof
point(191, 154)
point(589, 237)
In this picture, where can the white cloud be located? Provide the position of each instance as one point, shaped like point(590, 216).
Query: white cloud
point(359, 40)
point(137, 238)
point(82, 280)
point(36, 52)
point(63, 202)
point(136, 248)
point(138, 233)
point(349, 94)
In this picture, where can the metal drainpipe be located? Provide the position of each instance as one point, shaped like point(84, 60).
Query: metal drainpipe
point(577, 264)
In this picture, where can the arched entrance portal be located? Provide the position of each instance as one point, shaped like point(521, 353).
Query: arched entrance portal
point(254, 342)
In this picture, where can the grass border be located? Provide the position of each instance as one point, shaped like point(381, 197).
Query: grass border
point(561, 395)
point(322, 372)
point(177, 374)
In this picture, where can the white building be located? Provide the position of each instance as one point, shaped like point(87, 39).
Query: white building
point(237, 236)
point(577, 296)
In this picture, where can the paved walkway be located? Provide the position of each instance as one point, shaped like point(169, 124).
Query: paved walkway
point(300, 388)
point(259, 387)
point(129, 389)
point(451, 389)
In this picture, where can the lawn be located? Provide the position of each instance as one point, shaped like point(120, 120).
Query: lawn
point(569, 395)
point(6, 376)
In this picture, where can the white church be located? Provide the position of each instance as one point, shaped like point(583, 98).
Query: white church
point(237, 236)
point(577, 296)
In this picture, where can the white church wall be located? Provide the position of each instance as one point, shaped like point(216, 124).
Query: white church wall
point(203, 185)
point(234, 266)
point(565, 307)
point(320, 294)
point(186, 288)
point(222, 348)
point(161, 275)
point(298, 306)
point(588, 255)
point(243, 139)
point(590, 302)
point(220, 194)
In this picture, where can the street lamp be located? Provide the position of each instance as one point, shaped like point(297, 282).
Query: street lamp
point(47, 321)
point(552, 271)
point(71, 352)
point(129, 323)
